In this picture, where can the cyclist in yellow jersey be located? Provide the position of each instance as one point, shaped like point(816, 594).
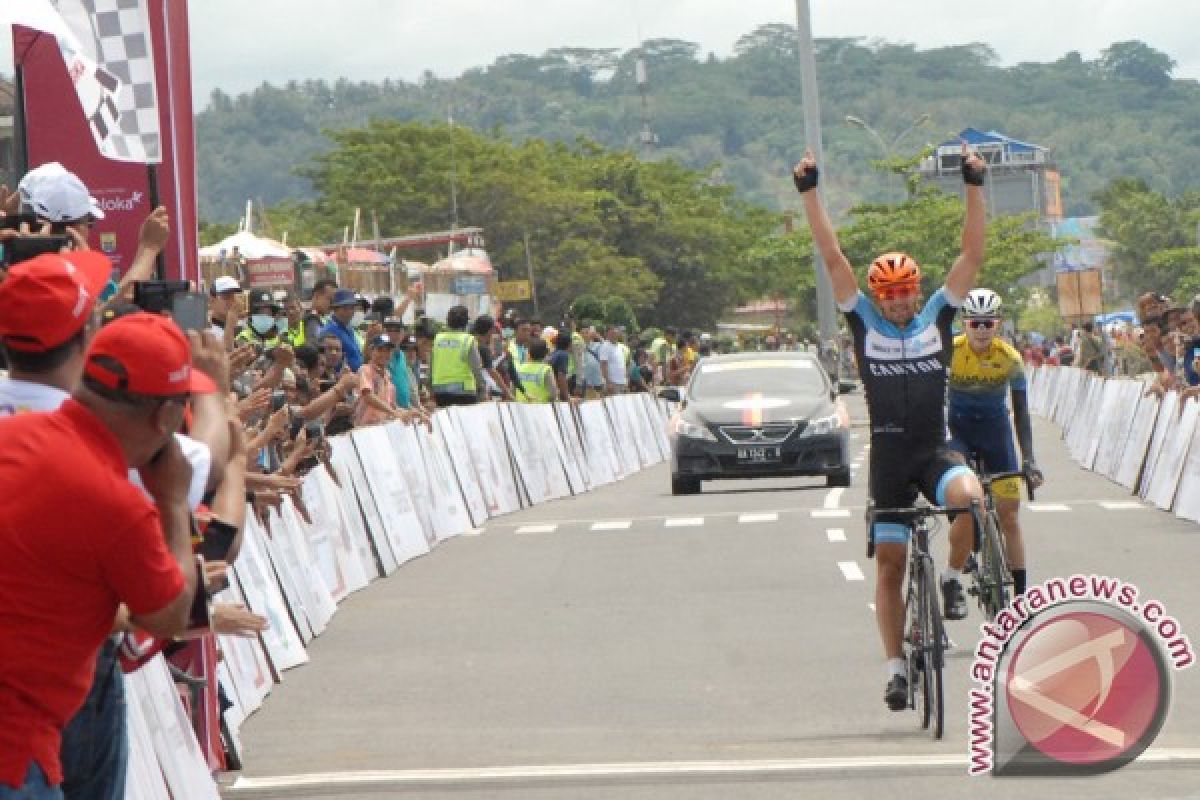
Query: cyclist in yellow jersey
point(984, 370)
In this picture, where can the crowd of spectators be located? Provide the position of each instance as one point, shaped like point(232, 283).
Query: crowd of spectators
point(162, 439)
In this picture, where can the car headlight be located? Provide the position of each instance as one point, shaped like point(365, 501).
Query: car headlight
point(690, 430)
point(821, 425)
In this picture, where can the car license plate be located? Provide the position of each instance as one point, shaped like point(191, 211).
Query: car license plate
point(758, 455)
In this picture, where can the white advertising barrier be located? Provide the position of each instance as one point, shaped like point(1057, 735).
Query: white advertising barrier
point(484, 433)
point(1168, 470)
point(1141, 428)
point(1187, 499)
point(526, 453)
point(626, 441)
point(170, 732)
point(463, 465)
point(390, 494)
point(357, 495)
point(578, 470)
point(264, 596)
point(247, 678)
point(386, 484)
point(1149, 445)
point(598, 444)
point(337, 552)
point(450, 515)
point(1167, 419)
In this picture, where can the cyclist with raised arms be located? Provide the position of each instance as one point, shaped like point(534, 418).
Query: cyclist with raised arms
point(983, 371)
point(903, 351)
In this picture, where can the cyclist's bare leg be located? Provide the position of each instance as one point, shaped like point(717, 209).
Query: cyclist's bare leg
point(959, 493)
point(1014, 544)
point(889, 600)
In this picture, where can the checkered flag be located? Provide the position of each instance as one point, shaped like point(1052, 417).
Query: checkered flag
point(122, 105)
point(105, 45)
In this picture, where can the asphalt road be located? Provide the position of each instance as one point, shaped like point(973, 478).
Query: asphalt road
point(631, 644)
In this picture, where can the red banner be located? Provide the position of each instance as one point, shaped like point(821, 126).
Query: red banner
point(270, 272)
point(56, 130)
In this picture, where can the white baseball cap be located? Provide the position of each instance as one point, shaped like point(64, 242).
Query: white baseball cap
point(225, 283)
point(57, 195)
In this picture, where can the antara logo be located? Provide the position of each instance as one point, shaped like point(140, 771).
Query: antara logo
point(121, 203)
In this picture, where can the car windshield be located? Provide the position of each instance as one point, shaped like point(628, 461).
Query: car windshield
point(788, 377)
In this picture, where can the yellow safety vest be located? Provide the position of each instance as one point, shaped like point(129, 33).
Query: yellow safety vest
point(451, 363)
point(533, 382)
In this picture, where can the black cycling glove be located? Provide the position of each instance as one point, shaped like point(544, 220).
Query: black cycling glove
point(970, 175)
point(805, 181)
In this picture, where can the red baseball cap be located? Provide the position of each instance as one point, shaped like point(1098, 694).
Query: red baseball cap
point(145, 354)
point(46, 300)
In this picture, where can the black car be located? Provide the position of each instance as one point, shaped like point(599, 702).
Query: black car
point(758, 415)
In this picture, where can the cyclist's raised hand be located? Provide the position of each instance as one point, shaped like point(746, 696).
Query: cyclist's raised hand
point(804, 174)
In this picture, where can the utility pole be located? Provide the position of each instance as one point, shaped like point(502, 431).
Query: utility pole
point(826, 313)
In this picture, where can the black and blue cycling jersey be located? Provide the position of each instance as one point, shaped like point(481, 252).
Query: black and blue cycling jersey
point(904, 373)
point(904, 370)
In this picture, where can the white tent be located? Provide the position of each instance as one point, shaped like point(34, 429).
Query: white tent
point(248, 245)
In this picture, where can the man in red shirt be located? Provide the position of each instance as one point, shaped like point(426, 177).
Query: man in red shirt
point(62, 576)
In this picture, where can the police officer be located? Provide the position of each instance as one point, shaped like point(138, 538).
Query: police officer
point(537, 377)
point(262, 328)
point(456, 367)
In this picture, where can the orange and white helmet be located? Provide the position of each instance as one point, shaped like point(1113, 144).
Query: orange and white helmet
point(892, 270)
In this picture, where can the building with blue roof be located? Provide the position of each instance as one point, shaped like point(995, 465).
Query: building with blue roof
point(1021, 176)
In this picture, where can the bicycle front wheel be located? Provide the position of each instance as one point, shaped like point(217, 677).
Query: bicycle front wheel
point(933, 643)
point(994, 568)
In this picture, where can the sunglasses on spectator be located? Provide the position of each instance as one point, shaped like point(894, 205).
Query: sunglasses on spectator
point(897, 292)
point(986, 324)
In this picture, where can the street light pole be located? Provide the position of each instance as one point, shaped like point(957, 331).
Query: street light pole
point(826, 313)
point(889, 150)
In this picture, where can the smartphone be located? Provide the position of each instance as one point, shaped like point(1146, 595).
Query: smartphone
point(13, 222)
point(190, 311)
point(218, 538)
point(23, 248)
point(314, 430)
point(278, 400)
point(156, 297)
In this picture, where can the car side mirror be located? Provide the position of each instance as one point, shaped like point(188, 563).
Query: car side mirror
point(846, 387)
point(670, 393)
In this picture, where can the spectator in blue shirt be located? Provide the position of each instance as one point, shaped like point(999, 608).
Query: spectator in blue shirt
point(345, 307)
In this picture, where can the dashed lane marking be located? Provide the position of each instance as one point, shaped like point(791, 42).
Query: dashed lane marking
point(829, 513)
point(683, 522)
point(536, 529)
point(836, 535)
point(1051, 507)
point(1124, 505)
point(746, 519)
point(612, 525)
point(834, 497)
point(850, 570)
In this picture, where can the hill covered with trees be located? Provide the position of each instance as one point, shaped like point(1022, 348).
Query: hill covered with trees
point(738, 119)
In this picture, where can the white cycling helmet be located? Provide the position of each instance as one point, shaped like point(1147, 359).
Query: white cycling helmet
point(981, 303)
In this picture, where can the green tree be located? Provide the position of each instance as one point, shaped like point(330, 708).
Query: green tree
point(1137, 61)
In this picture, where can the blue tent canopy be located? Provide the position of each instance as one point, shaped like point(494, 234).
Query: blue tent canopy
point(1117, 316)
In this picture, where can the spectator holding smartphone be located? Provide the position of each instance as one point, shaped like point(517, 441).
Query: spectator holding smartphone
point(63, 575)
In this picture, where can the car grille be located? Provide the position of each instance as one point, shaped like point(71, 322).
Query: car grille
point(771, 433)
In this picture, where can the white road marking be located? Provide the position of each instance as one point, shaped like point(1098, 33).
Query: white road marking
point(744, 519)
point(612, 525)
point(850, 570)
point(1124, 505)
point(871, 606)
point(1048, 507)
point(836, 535)
point(536, 529)
point(473, 532)
point(683, 522)
point(559, 773)
point(834, 497)
point(829, 513)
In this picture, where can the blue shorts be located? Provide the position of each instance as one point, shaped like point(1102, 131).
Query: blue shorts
point(989, 436)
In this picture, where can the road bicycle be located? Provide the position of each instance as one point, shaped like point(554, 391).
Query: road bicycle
point(991, 579)
point(925, 640)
